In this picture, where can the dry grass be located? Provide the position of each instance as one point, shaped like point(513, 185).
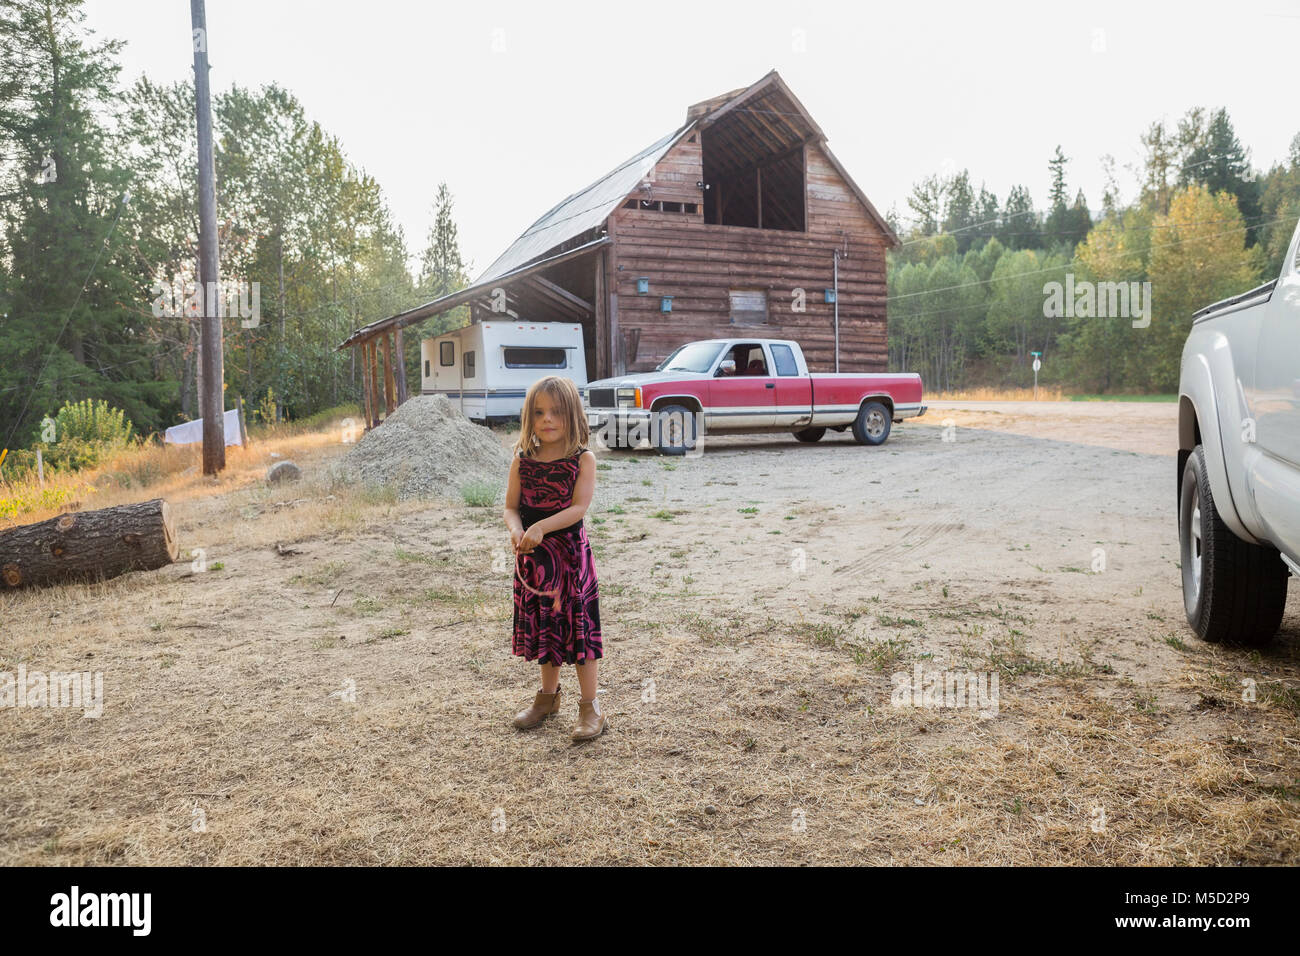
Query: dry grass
point(151, 470)
point(224, 694)
point(1052, 393)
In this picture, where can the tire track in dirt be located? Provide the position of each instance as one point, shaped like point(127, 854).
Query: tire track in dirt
point(914, 539)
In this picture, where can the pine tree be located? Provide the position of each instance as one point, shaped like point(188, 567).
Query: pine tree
point(1217, 160)
point(62, 204)
point(1020, 227)
point(442, 269)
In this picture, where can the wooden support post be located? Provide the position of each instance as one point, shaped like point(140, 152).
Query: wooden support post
point(604, 368)
point(367, 386)
point(402, 394)
point(618, 354)
point(390, 383)
point(372, 368)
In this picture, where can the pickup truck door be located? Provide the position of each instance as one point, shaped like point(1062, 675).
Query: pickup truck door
point(794, 395)
point(746, 399)
point(1276, 478)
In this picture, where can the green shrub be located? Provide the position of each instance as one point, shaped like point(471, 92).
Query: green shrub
point(96, 423)
point(73, 454)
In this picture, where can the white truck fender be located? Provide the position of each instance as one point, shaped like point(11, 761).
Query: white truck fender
point(1210, 409)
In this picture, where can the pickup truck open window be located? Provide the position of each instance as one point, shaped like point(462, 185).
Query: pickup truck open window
point(749, 359)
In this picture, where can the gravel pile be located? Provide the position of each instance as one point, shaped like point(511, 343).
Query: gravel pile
point(426, 449)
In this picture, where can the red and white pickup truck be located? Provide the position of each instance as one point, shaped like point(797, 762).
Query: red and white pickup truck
point(733, 386)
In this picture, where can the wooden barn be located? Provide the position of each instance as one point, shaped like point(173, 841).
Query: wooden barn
point(740, 219)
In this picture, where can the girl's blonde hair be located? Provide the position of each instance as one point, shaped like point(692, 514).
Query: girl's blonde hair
point(568, 403)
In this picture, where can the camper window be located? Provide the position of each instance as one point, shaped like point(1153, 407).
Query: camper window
point(447, 353)
point(518, 357)
point(469, 365)
point(426, 368)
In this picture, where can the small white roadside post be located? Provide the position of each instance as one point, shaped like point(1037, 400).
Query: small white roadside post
point(1037, 365)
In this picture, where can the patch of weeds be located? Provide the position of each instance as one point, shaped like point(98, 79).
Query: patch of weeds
point(821, 633)
point(889, 620)
point(1176, 642)
point(366, 606)
point(415, 556)
point(884, 656)
point(1283, 697)
point(322, 576)
point(1146, 703)
point(389, 632)
point(479, 494)
point(1010, 658)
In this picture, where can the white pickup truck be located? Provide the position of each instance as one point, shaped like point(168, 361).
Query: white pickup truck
point(1239, 460)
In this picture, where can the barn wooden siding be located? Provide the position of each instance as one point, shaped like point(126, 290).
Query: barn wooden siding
point(699, 264)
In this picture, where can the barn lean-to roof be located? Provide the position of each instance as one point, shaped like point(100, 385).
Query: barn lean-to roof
point(584, 210)
point(539, 245)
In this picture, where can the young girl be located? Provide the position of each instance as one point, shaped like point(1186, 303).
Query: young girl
point(557, 604)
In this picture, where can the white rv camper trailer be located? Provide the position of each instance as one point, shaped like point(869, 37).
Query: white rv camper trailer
point(486, 368)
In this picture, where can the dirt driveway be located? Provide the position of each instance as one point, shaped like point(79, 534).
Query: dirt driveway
point(351, 703)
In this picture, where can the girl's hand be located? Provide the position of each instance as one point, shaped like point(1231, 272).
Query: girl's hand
point(515, 535)
point(530, 539)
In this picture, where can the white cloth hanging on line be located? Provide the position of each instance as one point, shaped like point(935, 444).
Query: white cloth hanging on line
point(191, 433)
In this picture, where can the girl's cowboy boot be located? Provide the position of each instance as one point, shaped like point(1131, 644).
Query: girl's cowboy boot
point(591, 722)
point(543, 706)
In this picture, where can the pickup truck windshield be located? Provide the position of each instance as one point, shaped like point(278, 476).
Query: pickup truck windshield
point(691, 357)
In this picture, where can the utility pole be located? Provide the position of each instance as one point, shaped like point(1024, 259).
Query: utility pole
point(835, 294)
point(211, 400)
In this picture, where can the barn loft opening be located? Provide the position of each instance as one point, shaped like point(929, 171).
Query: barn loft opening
point(753, 161)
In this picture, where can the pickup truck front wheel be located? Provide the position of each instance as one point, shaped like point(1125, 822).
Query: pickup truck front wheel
point(675, 428)
point(1233, 591)
point(871, 427)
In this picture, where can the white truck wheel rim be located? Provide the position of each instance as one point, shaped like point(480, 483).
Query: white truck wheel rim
point(1195, 535)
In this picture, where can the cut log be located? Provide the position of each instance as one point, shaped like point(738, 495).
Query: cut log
point(89, 545)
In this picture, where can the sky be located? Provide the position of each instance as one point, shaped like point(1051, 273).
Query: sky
point(517, 105)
